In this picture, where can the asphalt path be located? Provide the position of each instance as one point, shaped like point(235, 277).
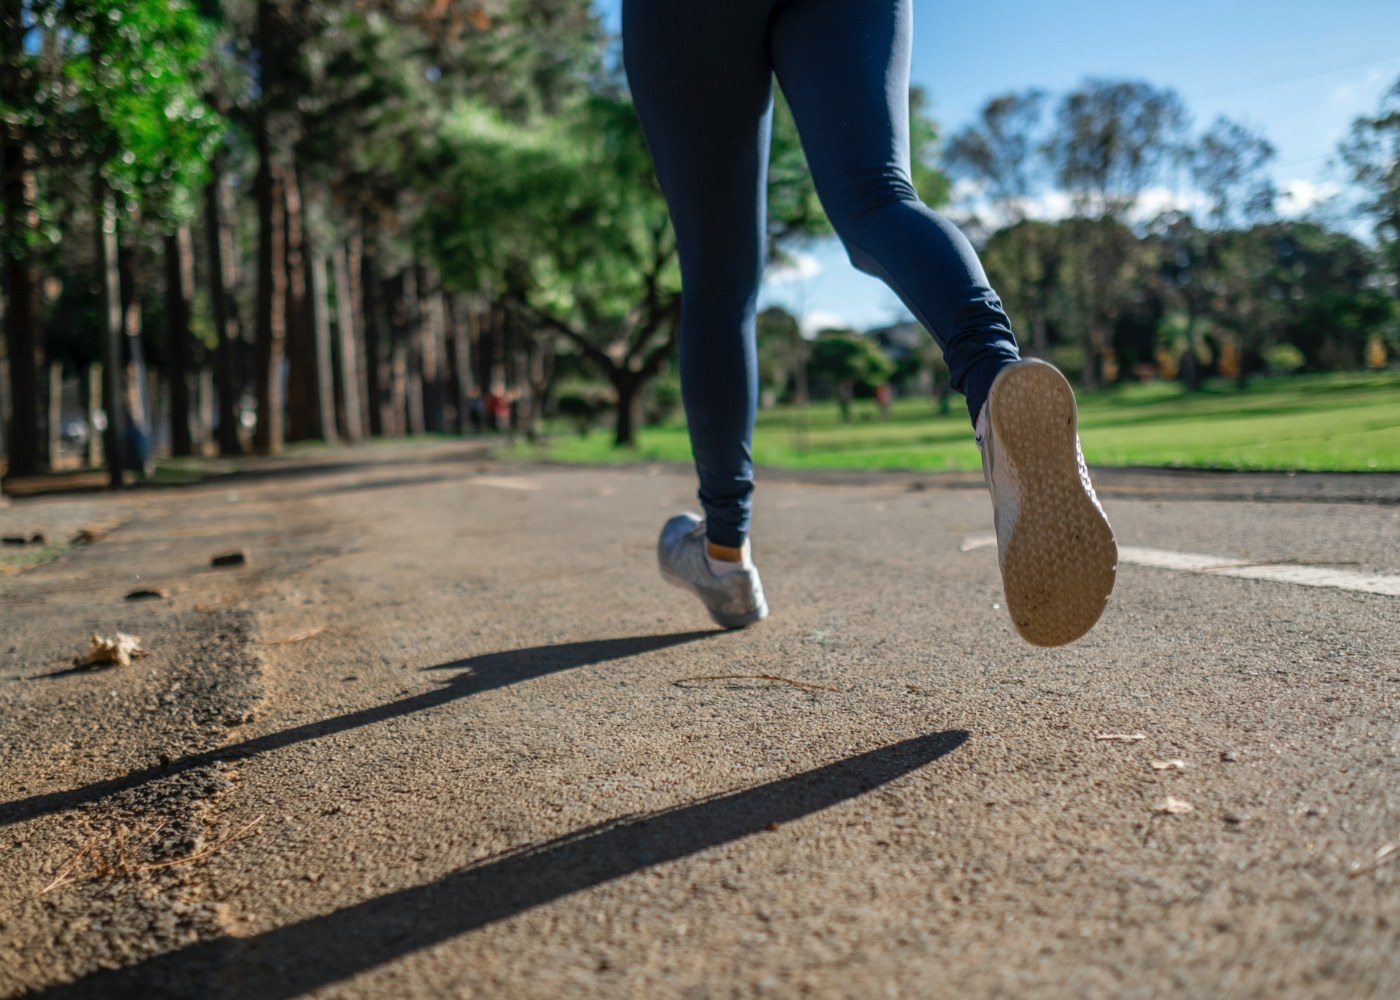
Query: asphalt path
point(447, 733)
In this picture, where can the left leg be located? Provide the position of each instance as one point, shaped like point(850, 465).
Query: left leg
point(844, 68)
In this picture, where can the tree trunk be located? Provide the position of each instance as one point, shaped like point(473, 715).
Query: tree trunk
point(541, 373)
point(462, 318)
point(23, 438)
point(1039, 341)
point(179, 290)
point(140, 410)
point(21, 314)
point(94, 414)
point(628, 398)
point(349, 354)
point(354, 264)
point(413, 329)
point(302, 396)
point(325, 364)
point(55, 427)
point(110, 330)
point(399, 391)
point(434, 344)
point(272, 299)
point(206, 408)
point(222, 278)
point(1190, 368)
point(1090, 375)
point(371, 313)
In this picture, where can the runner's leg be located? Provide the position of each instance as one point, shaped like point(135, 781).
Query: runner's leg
point(844, 68)
point(702, 84)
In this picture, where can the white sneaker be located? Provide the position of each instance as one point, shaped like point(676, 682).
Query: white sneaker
point(734, 599)
point(1058, 557)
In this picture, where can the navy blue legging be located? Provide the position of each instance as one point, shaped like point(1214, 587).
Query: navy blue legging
point(701, 75)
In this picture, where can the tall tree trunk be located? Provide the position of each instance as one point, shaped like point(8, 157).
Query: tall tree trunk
point(55, 422)
point(628, 397)
point(541, 369)
point(413, 357)
point(345, 323)
point(373, 324)
point(325, 362)
point(94, 408)
point(21, 314)
point(302, 394)
point(222, 279)
point(354, 264)
point(206, 408)
point(22, 342)
point(272, 298)
point(140, 408)
point(463, 316)
point(179, 290)
point(395, 366)
point(434, 344)
point(110, 330)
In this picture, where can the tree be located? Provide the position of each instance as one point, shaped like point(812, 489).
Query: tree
point(1023, 265)
point(566, 220)
point(1111, 139)
point(1372, 152)
point(782, 353)
point(846, 359)
point(114, 106)
point(1097, 266)
point(18, 84)
point(1001, 152)
point(1227, 164)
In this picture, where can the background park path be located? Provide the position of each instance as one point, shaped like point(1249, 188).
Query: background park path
point(486, 752)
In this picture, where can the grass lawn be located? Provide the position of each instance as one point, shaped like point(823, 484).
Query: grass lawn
point(1346, 421)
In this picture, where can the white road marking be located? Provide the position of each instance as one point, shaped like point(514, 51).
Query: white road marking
point(505, 482)
point(1195, 562)
point(978, 541)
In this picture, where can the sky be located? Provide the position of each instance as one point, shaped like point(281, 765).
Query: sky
point(1299, 71)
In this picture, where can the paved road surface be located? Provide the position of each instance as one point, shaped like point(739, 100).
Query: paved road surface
point(513, 763)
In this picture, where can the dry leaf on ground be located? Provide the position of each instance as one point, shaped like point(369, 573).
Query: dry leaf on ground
point(1124, 737)
point(119, 650)
point(1175, 807)
point(1167, 765)
point(753, 677)
point(294, 637)
point(1386, 852)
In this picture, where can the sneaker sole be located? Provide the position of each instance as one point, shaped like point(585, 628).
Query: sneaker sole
point(1061, 560)
point(724, 621)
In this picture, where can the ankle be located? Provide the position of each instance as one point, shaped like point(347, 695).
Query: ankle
point(724, 553)
point(725, 561)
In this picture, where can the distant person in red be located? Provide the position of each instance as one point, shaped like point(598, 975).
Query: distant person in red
point(498, 407)
point(701, 74)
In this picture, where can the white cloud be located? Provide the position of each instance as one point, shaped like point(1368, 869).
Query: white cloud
point(801, 267)
point(1298, 195)
point(818, 320)
point(1156, 200)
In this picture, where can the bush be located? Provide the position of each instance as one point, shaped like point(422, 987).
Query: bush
point(584, 404)
point(1283, 358)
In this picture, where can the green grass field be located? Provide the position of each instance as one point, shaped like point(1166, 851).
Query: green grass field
point(1348, 421)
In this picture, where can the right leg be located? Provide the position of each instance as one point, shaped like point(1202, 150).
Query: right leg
point(702, 84)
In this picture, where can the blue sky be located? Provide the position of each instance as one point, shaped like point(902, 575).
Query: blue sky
point(1300, 71)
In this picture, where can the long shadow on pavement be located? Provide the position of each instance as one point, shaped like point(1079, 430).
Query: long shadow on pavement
point(301, 957)
point(478, 673)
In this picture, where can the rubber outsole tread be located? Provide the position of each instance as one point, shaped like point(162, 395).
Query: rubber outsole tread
point(1061, 559)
